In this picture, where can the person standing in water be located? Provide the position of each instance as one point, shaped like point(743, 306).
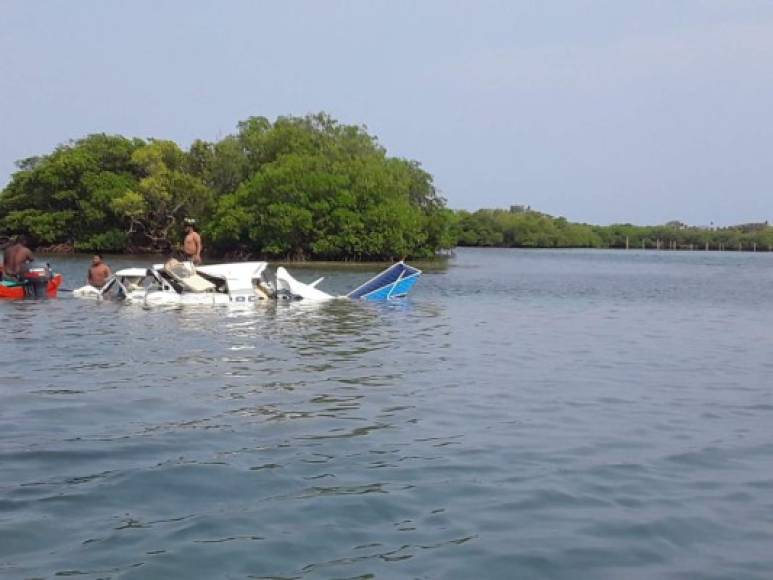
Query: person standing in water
point(99, 272)
point(192, 246)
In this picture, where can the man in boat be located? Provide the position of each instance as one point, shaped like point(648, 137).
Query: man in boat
point(99, 272)
point(16, 259)
point(192, 243)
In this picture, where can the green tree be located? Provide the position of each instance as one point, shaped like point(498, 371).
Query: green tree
point(164, 195)
point(66, 196)
point(298, 187)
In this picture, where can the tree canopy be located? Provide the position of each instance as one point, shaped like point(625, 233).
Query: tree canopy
point(299, 187)
point(532, 229)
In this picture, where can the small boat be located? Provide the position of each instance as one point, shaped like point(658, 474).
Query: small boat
point(37, 283)
point(237, 284)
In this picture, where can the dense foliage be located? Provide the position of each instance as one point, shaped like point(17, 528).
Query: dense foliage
point(300, 187)
point(297, 187)
point(522, 229)
point(531, 229)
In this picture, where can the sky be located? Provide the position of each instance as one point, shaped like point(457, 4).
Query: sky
point(602, 111)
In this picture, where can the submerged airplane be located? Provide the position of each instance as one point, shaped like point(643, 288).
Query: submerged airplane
point(238, 283)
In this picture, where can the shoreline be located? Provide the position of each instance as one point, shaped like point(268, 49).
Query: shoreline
point(437, 262)
point(440, 258)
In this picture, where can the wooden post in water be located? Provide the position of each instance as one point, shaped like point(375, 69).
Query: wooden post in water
point(707, 245)
point(754, 247)
point(626, 243)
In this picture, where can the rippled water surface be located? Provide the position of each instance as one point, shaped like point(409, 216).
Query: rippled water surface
point(524, 414)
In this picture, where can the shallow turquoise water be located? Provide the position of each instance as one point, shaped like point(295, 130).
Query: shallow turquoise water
point(525, 414)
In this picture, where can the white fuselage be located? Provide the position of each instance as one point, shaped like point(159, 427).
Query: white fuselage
point(238, 284)
point(224, 284)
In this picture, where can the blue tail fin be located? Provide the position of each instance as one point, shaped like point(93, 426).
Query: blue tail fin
point(394, 282)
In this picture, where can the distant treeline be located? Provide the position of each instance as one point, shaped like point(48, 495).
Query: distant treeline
point(531, 229)
point(297, 188)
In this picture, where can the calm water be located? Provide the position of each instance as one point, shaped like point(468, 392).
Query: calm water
point(525, 414)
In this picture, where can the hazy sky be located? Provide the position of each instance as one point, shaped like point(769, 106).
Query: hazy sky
point(601, 111)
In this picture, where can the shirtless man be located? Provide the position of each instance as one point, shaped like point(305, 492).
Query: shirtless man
point(99, 272)
point(192, 244)
point(16, 259)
